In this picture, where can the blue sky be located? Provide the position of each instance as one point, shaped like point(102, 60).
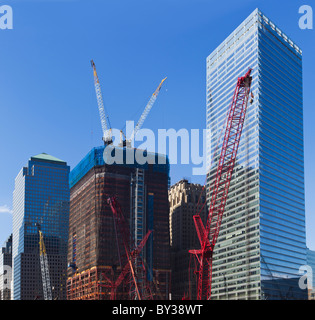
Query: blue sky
point(47, 97)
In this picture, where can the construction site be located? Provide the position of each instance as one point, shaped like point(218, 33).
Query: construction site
point(118, 223)
point(115, 222)
point(119, 226)
point(119, 235)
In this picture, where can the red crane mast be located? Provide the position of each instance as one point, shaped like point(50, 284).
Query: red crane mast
point(114, 284)
point(220, 187)
point(131, 261)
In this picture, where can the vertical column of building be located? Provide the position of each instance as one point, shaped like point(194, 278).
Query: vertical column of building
point(157, 180)
point(185, 199)
point(18, 231)
point(281, 162)
point(137, 213)
point(138, 221)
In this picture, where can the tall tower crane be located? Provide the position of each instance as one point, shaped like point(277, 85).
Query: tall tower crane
point(208, 234)
point(106, 128)
point(134, 265)
point(44, 265)
point(145, 113)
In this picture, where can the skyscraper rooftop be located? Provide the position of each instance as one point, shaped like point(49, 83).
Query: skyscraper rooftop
point(47, 157)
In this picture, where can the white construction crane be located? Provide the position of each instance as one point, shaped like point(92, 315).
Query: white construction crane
point(145, 113)
point(107, 134)
point(107, 131)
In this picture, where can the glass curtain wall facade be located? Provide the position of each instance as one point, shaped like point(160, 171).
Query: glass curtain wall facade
point(261, 243)
point(41, 195)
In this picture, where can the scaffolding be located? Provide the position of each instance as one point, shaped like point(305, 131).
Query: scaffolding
point(90, 284)
point(94, 251)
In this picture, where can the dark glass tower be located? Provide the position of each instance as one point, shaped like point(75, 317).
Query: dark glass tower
point(41, 195)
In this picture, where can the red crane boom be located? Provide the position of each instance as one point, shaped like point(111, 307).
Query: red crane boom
point(136, 282)
point(220, 187)
point(114, 284)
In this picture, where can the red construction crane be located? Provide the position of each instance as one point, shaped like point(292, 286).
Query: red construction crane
point(114, 284)
point(134, 267)
point(220, 187)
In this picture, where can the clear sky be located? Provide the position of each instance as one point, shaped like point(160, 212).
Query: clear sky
point(47, 97)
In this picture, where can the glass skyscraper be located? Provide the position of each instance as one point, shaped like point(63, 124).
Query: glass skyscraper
point(261, 243)
point(41, 195)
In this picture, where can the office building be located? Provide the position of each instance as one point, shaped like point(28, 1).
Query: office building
point(261, 244)
point(95, 246)
point(41, 197)
point(6, 270)
point(185, 199)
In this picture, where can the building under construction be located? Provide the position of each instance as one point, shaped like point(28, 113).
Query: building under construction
point(95, 250)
